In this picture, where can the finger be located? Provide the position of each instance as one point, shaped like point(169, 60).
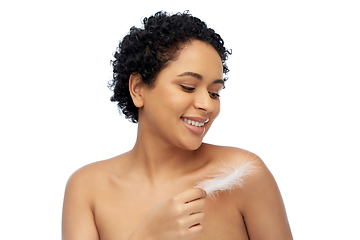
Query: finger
point(195, 230)
point(191, 195)
point(202, 193)
point(192, 220)
point(195, 219)
point(194, 206)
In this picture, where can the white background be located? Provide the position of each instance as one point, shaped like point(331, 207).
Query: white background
point(292, 98)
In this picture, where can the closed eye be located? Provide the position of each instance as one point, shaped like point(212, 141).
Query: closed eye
point(191, 89)
point(187, 89)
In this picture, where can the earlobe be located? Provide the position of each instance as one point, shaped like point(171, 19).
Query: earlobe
point(135, 87)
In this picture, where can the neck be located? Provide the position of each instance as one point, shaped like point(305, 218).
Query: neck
point(159, 161)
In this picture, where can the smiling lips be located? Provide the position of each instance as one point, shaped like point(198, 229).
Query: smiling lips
point(196, 125)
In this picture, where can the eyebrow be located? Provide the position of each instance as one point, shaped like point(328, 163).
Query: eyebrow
point(199, 77)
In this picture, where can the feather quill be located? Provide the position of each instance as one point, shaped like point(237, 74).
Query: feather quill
point(228, 178)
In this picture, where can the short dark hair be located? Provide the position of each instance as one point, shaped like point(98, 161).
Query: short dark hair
point(147, 50)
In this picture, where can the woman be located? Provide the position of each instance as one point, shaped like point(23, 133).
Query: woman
point(167, 78)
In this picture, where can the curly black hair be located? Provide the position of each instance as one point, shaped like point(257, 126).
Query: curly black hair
point(147, 51)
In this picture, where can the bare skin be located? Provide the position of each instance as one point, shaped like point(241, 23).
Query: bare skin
point(148, 193)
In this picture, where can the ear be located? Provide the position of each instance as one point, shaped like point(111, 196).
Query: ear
point(135, 89)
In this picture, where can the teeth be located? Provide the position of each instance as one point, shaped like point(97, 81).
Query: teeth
point(194, 123)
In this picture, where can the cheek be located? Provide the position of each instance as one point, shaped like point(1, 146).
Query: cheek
point(169, 102)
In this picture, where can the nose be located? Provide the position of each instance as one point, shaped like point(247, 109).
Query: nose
point(204, 102)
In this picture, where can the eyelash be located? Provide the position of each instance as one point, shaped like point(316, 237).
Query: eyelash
point(190, 89)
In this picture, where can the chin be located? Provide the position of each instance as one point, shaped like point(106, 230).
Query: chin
point(192, 146)
point(190, 141)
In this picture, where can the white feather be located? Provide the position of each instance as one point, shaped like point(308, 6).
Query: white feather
point(227, 178)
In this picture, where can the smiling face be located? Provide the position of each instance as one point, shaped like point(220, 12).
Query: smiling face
point(184, 101)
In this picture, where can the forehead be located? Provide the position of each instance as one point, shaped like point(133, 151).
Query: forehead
point(197, 57)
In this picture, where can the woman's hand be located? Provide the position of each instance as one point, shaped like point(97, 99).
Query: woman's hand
point(177, 218)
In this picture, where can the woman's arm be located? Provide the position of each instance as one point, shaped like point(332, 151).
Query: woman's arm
point(263, 208)
point(78, 220)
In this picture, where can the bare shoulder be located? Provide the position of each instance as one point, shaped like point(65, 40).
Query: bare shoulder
point(238, 157)
point(258, 177)
point(232, 156)
point(259, 200)
point(78, 208)
point(93, 176)
point(89, 173)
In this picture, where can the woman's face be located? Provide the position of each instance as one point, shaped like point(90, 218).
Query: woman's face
point(184, 101)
